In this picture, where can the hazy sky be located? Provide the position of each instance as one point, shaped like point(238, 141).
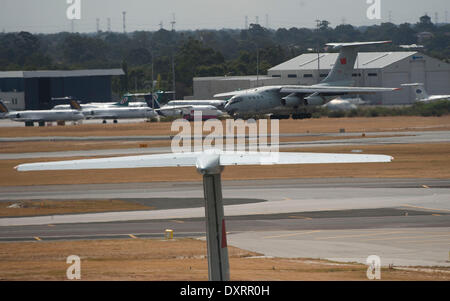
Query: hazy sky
point(50, 15)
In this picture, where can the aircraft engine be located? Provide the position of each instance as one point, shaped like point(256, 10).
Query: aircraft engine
point(292, 100)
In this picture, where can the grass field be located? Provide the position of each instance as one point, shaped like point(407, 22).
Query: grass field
point(184, 259)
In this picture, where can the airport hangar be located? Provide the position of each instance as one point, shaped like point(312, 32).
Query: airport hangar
point(372, 69)
point(34, 90)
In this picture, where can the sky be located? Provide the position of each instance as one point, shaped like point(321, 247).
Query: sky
point(49, 16)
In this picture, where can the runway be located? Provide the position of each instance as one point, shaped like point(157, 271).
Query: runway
point(405, 221)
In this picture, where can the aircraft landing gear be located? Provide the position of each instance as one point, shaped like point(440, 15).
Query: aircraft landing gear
point(115, 121)
point(302, 116)
point(279, 116)
point(104, 121)
point(29, 123)
point(41, 123)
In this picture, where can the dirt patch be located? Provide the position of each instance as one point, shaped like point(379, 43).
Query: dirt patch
point(410, 161)
point(50, 207)
point(58, 146)
point(321, 125)
point(184, 259)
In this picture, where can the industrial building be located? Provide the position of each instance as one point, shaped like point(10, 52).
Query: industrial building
point(34, 90)
point(372, 69)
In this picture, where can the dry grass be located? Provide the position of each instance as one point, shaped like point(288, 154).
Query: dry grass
point(58, 146)
point(411, 161)
point(50, 207)
point(145, 259)
point(322, 125)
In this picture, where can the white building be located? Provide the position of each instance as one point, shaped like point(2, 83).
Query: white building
point(372, 69)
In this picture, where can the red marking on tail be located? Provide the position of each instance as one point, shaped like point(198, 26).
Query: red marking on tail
point(343, 61)
point(224, 235)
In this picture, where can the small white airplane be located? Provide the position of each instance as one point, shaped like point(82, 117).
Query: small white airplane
point(40, 116)
point(219, 104)
point(124, 102)
point(114, 112)
point(184, 111)
point(422, 95)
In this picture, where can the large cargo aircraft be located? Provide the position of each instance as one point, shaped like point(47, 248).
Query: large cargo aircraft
point(285, 100)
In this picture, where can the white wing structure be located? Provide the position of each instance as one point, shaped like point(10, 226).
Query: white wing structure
point(194, 158)
point(210, 164)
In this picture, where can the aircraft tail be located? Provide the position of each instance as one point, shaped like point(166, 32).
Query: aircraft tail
point(123, 102)
point(3, 107)
point(419, 91)
point(152, 101)
point(341, 73)
point(75, 105)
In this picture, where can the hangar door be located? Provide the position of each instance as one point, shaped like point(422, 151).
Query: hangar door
point(438, 82)
point(394, 80)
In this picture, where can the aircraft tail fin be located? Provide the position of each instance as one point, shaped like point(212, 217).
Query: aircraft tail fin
point(419, 91)
point(3, 107)
point(75, 105)
point(152, 101)
point(123, 102)
point(341, 73)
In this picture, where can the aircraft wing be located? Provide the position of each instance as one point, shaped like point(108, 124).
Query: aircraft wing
point(196, 158)
point(233, 93)
point(331, 90)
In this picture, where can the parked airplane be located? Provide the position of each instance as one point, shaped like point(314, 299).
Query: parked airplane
point(114, 112)
point(40, 116)
point(121, 103)
point(185, 111)
point(285, 100)
point(219, 104)
point(422, 95)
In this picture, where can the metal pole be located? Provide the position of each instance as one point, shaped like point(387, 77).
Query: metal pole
point(218, 266)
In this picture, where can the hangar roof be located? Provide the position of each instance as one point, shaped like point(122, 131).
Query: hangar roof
point(366, 60)
point(60, 73)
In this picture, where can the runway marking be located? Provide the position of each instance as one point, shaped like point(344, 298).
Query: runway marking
point(132, 236)
point(291, 234)
point(300, 217)
point(425, 186)
point(406, 237)
point(359, 235)
point(37, 238)
point(436, 214)
point(418, 207)
point(177, 221)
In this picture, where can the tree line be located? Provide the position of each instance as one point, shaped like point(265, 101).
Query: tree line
point(147, 56)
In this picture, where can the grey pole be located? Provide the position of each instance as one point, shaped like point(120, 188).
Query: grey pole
point(218, 266)
point(216, 237)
